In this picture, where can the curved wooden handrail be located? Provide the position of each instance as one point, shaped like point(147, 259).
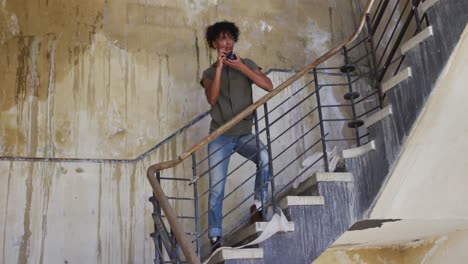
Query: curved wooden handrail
point(164, 203)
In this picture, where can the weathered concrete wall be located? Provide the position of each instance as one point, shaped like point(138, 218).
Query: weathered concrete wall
point(362, 256)
point(448, 248)
point(100, 79)
point(120, 76)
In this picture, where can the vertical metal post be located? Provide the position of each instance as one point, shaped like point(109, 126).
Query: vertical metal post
point(378, 85)
point(380, 14)
point(397, 42)
point(350, 86)
point(195, 199)
point(257, 139)
point(416, 14)
point(174, 250)
point(322, 129)
point(270, 158)
point(159, 258)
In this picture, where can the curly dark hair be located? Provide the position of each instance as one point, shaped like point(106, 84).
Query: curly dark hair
point(213, 31)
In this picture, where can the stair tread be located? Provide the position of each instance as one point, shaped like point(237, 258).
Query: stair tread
point(323, 177)
point(244, 233)
point(232, 253)
point(414, 41)
point(301, 200)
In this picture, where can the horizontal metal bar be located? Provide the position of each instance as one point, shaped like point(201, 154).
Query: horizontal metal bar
point(174, 179)
point(181, 198)
point(68, 160)
point(365, 97)
point(182, 217)
point(300, 174)
point(304, 152)
point(283, 70)
point(357, 79)
point(290, 145)
point(358, 43)
point(339, 74)
point(337, 119)
point(337, 105)
point(333, 84)
point(361, 58)
point(327, 68)
point(292, 108)
point(370, 111)
point(295, 123)
point(363, 136)
point(287, 99)
point(344, 139)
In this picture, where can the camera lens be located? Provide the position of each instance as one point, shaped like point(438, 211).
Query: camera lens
point(231, 56)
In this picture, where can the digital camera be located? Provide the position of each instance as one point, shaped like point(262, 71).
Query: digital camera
point(231, 56)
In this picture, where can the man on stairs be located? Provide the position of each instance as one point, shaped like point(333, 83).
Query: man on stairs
point(228, 89)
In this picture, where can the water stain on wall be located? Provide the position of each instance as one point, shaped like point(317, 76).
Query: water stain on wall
point(48, 171)
point(25, 241)
point(10, 173)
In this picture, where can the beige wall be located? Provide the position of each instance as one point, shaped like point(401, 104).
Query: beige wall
point(108, 80)
point(449, 248)
point(432, 163)
point(123, 75)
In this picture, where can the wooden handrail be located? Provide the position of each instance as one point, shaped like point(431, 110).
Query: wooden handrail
point(171, 217)
point(158, 192)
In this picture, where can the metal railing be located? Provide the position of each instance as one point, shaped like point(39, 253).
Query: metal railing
point(301, 124)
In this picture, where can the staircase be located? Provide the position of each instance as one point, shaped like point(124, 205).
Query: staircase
point(327, 204)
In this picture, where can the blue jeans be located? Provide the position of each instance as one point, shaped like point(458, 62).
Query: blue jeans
point(222, 148)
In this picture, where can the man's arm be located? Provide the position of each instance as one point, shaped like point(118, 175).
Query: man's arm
point(256, 75)
point(212, 86)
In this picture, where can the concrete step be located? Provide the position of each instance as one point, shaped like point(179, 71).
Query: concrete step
point(231, 256)
point(311, 187)
point(249, 233)
point(397, 79)
point(416, 40)
point(301, 201)
point(359, 151)
point(316, 223)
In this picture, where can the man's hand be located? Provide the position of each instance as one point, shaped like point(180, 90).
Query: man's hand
point(221, 61)
point(256, 75)
point(235, 64)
